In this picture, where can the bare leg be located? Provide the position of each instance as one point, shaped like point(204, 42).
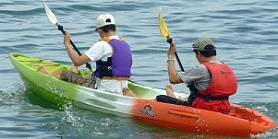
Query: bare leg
point(127, 92)
point(43, 70)
point(74, 69)
point(170, 91)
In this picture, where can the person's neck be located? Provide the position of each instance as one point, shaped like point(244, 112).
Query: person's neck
point(213, 58)
point(108, 34)
point(207, 59)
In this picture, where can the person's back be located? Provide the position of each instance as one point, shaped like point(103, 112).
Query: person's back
point(215, 95)
point(113, 68)
point(112, 56)
point(210, 83)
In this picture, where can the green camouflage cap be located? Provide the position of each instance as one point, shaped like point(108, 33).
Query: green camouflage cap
point(200, 44)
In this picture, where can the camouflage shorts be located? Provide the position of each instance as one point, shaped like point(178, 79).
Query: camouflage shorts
point(72, 77)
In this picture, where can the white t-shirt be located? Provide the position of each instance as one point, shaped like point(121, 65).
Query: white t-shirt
point(101, 50)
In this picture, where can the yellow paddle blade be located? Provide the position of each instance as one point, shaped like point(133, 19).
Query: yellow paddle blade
point(162, 25)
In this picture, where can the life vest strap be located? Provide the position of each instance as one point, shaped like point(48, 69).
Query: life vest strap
point(115, 78)
point(207, 97)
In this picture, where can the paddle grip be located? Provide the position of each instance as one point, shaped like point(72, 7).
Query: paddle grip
point(170, 41)
point(73, 45)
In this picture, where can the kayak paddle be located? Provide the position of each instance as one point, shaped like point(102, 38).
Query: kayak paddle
point(164, 32)
point(52, 18)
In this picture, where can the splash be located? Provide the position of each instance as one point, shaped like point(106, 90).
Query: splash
point(14, 95)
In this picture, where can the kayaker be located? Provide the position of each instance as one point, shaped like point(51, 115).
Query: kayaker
point(111, 53)
point(210, 83)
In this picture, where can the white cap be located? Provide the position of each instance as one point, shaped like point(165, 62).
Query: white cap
point(105, 19)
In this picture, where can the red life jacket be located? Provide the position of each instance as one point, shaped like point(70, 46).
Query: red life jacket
point(222, 85)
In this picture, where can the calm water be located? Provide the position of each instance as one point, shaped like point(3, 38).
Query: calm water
point(245, 34)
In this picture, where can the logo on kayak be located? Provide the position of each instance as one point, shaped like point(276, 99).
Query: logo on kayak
point(57, 89)
point(147, 110)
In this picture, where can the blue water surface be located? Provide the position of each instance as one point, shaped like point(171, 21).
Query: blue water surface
point(245, 34)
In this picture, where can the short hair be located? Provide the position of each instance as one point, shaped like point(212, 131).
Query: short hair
point(209, 51)
point(108, 27)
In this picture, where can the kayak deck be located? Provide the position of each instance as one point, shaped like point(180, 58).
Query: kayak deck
point(55, 69)
point(52, 67)
point(27, 67)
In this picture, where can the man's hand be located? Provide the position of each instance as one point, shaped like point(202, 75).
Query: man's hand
point(172, 50)
point(67, 38)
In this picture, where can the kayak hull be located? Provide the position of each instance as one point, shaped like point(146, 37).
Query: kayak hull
point(62, 93)
point(240, 121)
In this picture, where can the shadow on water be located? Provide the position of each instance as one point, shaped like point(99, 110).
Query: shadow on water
point(12, 96)
point(36, 100)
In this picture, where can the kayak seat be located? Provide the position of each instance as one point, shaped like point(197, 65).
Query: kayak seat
point(141, 91)
point(248, 115)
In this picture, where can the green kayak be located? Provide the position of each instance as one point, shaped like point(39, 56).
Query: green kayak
point(61, 92)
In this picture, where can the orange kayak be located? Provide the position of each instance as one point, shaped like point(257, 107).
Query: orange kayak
point(240, 121)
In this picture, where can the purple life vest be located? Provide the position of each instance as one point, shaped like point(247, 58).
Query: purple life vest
point(119, 64)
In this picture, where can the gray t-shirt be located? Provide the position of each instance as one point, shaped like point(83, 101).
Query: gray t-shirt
point(198, 74)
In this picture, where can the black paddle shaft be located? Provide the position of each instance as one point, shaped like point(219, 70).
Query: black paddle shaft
point(73, 45)
point(176, 54)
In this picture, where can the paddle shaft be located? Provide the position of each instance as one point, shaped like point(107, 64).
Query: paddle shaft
point(170, 40)
point(73, 45)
